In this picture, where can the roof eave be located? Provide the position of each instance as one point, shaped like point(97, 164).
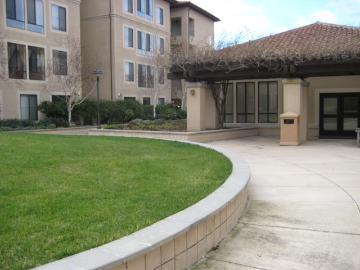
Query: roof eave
point(196, 8)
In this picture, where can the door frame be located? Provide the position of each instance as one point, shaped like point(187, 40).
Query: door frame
point(339, 133)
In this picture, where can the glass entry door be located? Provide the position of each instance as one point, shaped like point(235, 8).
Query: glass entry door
point(339, 114)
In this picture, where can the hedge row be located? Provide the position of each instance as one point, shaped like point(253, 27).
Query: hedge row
point(16, 124)
point(111, 112)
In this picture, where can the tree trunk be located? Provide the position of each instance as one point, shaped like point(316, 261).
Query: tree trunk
point(155, 104)
point(154, 111)
point(69, 114)
point(183, 98)
point(219, 93)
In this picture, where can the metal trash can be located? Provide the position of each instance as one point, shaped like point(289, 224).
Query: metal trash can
point(290, 129)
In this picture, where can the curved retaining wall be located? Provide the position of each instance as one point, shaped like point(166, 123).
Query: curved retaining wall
point(178, 241)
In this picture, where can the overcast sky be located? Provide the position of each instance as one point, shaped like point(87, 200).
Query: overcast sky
point(257, 18)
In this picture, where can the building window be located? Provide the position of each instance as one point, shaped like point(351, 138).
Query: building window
point(58, 18)
point(141, 76)
point(191, 27)
point(35, 16)
point(245, 102)
point(129, 72)
point(268, 102)
point(149, 77)
point(15, 13)
point(145, 42)
point(36, 63)
point(160, 16)
point(129, 37)
point(176, 27)
point(128, 6)
point(17, 61)
point(161, 46)
point(161, 101)
point(161, 76)
point(60, 62)
point(149, 42)
point(145, 76)
point(129, 98)
point(58, 98)
point(28, 107)
point(145, 8)
point(146, 101)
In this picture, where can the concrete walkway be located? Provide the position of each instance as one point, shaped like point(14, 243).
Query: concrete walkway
point(303, 212)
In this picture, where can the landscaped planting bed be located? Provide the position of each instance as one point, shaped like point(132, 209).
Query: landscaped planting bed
point(62, 195)
point(151, 125)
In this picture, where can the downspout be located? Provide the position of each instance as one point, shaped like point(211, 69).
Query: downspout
point(111, 50)
point(188, 33)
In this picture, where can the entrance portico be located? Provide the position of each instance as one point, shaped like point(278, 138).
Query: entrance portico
point(261, 103)
point(311, 73)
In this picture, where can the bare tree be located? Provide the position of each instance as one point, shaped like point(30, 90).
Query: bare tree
point(159, 61)
point(187, 60)
point(227, 57)
point(67, 76)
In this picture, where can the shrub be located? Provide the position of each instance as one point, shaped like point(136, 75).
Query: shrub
point(170, 112)
point(53, 109)
point(16, 124)
point(111, 112)
point(53, 122)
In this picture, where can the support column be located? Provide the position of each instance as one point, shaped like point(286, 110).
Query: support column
point(295, 102)
point(201, 110)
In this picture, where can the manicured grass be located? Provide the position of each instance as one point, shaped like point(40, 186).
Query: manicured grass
point(61, 195)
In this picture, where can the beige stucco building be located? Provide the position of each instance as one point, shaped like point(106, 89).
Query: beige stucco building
point(317, 98)
point(130, 41)
point(33, 34)
point(126, 39)
point(191, 26)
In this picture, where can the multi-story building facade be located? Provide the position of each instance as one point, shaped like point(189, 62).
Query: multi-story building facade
point(34, 34)
point(191, 26)
point(128, 40)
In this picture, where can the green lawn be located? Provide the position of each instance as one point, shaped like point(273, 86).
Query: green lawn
point(61, 195)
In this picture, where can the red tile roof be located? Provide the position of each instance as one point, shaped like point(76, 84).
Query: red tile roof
point(312, 40)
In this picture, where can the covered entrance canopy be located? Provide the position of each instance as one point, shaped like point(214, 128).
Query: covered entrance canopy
point(307, 63)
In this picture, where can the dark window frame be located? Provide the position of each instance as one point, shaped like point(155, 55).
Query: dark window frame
point(161, 45)
point(129, 6)
point(129, 37)
point(13, 7)
point(176, 31)
point(60, 68)
point(268, 114)
point(246, 114)
point(32, 25)
point(191, 27)
point(62, 26)
point(30, 113)
point(130, 78)
point(14, 72)
point(36, 72)
point(161, 101)
point(148, 102)
point(161, 16)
